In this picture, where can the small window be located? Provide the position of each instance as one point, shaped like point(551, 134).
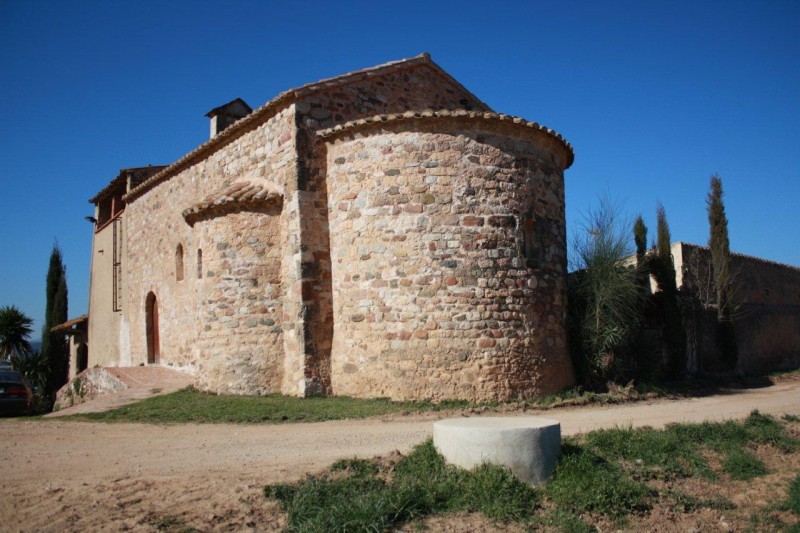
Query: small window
point(179, 263)
point(535, 235)
point(531, 241)
point(199, 263)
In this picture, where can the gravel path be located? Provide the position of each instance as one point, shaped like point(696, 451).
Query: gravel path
point(94, 476)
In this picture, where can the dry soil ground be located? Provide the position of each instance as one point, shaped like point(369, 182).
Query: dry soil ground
point(76, 476)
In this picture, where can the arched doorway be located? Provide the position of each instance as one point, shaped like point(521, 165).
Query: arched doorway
point(151, 317)
point(82, 362)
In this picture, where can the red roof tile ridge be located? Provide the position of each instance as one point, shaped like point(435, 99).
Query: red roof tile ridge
point(245, 192)
point(446, 113)
point(264, 112)
point(69, 323)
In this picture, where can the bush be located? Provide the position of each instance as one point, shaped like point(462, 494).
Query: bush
point(603, 295)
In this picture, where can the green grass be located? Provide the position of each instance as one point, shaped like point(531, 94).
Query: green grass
point(601, 473)
point(741, 465)
point(676, 451)
point(190, 405)
point(586, 482)
point(792, 502)
point(354, 497)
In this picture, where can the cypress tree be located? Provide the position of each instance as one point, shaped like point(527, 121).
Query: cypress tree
point(719, 244)
point(640, 237)
point(55, 351)
point(664, 272)
point(664, 268)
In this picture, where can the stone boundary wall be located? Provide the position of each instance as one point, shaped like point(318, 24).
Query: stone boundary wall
point(449, 259)
point(766, 314)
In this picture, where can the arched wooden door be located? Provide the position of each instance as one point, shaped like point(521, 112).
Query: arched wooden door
point(153, 342)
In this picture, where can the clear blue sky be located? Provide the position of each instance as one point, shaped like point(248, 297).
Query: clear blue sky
point(654, 96)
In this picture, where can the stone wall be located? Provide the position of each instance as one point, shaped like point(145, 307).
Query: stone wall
point(310, 319)
point(259, 315)
point(239, 299)
point(766, 313)
point(156, 227)
point(448, 244)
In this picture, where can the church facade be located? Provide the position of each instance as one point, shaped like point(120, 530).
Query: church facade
point(383, 233)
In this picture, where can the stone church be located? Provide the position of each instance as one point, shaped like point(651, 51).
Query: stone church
point(383, 233)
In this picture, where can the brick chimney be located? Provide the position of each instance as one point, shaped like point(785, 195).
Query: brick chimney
point(225, 115)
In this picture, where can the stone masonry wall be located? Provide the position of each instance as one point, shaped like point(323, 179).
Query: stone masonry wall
point(449, 261)
point(766, 308)
point(402, 263)
point(310, 319)
point(240, 303)
point(156, 227)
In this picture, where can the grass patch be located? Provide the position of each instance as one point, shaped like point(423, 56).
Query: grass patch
point(601, 474)
point(742, 465)
point(792, 502)
point(652, 454)
point(586, 482)
point(565, 521)
point(190, 405)
point(422, 484)
point(676, 451)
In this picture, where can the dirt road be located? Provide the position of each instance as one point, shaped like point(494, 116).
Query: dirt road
point(70, 476)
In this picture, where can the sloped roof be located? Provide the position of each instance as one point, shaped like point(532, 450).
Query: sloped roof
point(238, 195)
point(137, 174)
point(429, 114)
point(281, 101)
point(68, 325)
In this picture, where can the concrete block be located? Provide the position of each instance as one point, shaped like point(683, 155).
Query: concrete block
point(529, 446)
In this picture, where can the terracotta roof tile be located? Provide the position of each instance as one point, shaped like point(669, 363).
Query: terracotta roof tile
point(137, 175)
point(741, 256)
point(281, 101)
point(428, 114)
point(240, 194)
point(67, 325)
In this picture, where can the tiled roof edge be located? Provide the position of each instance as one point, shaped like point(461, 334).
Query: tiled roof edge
point(120, 177)
point(443, 73)
point(195, 213)
point(68, 324)
point(444, 113)
point(266, 111)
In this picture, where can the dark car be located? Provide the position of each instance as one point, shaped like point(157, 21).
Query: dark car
point(15, 393)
